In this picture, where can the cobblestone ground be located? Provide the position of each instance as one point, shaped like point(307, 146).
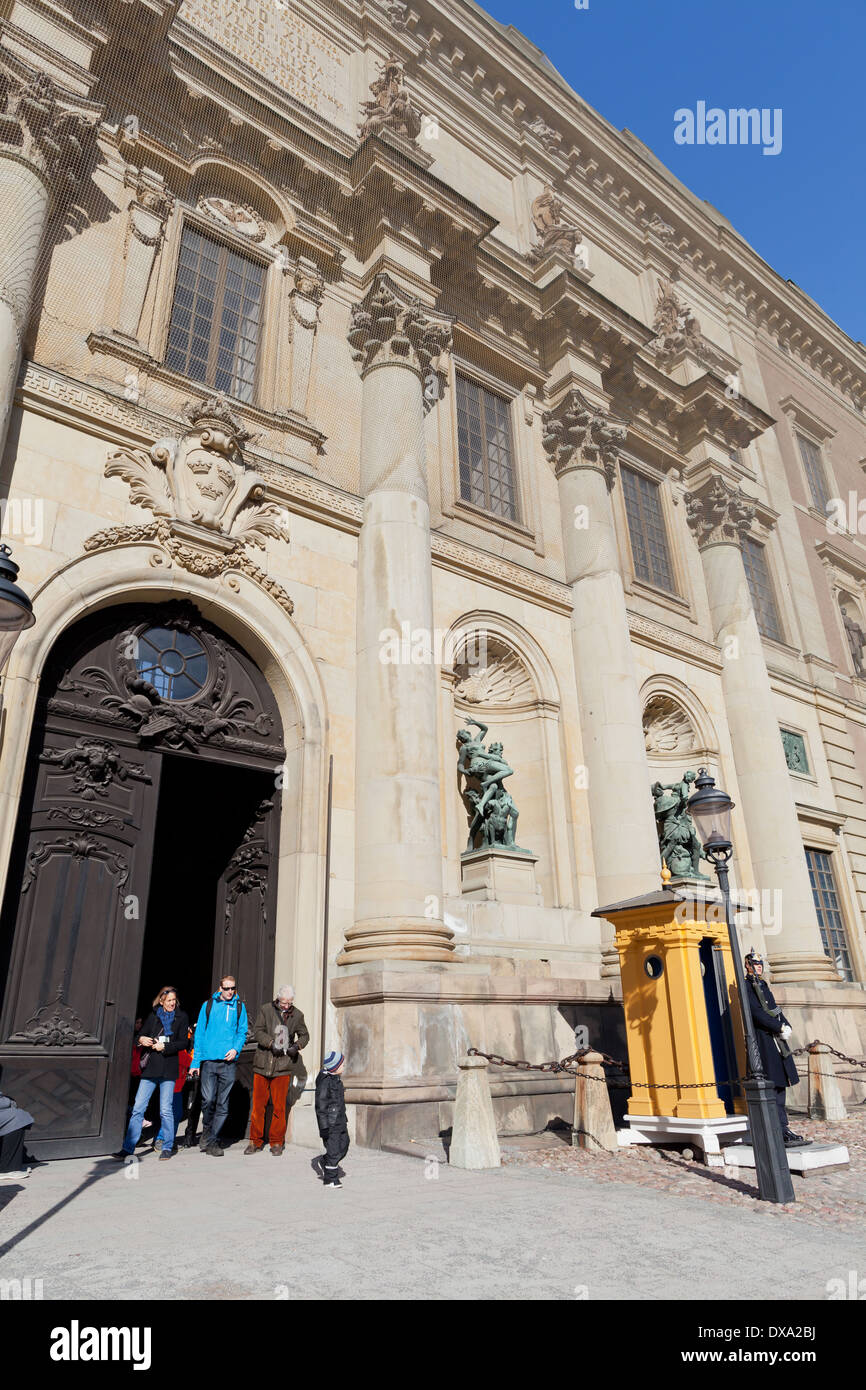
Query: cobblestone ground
point(835, 1198)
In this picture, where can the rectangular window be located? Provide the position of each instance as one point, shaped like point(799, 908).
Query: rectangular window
point(216, 316)
point(484, 450)
point(649, 541)
point(815, 473)
point(833, 933)
point(761, 588)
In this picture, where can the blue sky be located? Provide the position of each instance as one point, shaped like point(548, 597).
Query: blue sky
point(638, 61)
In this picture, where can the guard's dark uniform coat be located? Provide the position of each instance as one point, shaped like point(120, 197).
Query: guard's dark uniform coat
point(780, 1070)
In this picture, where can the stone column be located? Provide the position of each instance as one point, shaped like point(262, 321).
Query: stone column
point(398, 815)
point(720, 515)
point(582, 443)
point(42, 149)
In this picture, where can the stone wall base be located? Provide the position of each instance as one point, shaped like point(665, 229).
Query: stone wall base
point(404, 1024)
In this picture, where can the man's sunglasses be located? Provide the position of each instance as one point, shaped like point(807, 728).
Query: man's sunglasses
point(229, 989)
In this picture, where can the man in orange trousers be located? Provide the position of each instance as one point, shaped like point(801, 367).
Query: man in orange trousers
point(280, 1033)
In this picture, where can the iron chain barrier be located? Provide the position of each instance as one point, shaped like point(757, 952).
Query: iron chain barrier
point(568, 1066)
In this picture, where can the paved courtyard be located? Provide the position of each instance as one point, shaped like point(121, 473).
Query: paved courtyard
point(264, 1228)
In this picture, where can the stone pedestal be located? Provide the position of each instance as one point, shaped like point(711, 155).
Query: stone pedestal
point(593, 1126)
point(720, 515)
point(825, 1097)
point(500, 875)
point(474, 1142)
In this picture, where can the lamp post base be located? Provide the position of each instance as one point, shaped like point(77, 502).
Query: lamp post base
point(765, 1126)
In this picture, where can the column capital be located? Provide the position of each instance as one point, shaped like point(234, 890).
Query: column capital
point(392, 328)
point(578, 434)
point(719, 513)
point(35, 126)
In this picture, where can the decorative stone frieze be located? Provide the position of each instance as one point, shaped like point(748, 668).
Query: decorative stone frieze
point(719, 513)
point(576, 434)
point(392, 108)
point(390, 328)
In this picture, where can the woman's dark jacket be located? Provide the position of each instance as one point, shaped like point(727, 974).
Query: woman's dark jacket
point(163, 1066)
point(330, 1103)
point(267, 1062)
point(780, 1070)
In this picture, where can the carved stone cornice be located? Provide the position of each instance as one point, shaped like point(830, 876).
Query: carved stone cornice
point(39, 124)
point(576, 434)
point(391, 328)
point(719, 513)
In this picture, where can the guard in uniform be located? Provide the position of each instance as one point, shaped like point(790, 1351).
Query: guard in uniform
point(772, 1030)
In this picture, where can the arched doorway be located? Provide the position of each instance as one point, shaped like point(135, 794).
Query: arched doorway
point(145, 853)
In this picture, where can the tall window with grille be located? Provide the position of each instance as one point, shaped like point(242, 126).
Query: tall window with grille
point(833, 933)
point(216, 316)
point(484, 450)
point(816, 474)
point(761, 589)
point(646, 525)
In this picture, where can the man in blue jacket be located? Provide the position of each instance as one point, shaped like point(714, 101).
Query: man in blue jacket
point(220, 1034)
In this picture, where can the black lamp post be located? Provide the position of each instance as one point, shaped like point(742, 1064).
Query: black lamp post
point(711, 808)
point(16, 610)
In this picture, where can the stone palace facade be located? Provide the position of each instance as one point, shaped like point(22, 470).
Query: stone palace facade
point(357, 379)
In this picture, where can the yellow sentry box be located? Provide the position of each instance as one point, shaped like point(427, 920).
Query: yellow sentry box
point(682, 1019)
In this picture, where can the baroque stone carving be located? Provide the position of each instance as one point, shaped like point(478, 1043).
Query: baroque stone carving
point(667, 728)
point(659, 228)
point(95, 766)
point(549, 138)
point(489, 673)
point(679, 845)
point(856, 639)
point(493, 815)
point(553, 234)
point(576, 434)
point(391, 108)
point(54, 138)
point(719, 512)
point(390, 327)
point(674, 325)
point(54, 1025)
point(239, 216)
point(206, 501)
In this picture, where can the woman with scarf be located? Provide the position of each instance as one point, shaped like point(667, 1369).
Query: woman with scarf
point(165, 1035)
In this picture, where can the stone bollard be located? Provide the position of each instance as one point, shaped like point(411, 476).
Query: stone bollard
point(593, 1121)
point(825, 1097)
point(474, 1142)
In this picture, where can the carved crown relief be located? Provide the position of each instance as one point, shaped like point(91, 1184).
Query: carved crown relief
point(667, 728)
point(576, 434)
point(207, 502)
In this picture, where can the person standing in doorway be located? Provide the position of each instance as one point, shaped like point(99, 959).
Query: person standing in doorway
point(332, 1119)
point(220, 1033)
point(164, 1036)
point(280, 1032)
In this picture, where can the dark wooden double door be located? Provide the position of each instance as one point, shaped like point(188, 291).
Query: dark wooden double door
point(146, 854)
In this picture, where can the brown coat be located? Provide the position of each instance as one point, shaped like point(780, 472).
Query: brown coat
point(267, 1062)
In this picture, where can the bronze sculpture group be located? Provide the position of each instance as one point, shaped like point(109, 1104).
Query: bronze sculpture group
point(494, 815)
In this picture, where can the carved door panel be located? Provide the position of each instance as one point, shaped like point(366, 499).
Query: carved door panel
point(246, 901)
point(82, 877)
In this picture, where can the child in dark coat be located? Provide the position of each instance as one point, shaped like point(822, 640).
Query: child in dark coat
point(331, 1118)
